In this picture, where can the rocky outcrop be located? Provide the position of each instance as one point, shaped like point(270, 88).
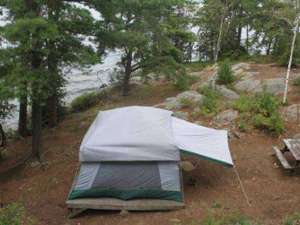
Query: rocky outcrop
point(273, 85)
point(226, 117)
point(181, 115)
point(250, 85)
point(291, 113)
point(187, 97)
point(240, 67)
point(192, 96)
point(227, 93)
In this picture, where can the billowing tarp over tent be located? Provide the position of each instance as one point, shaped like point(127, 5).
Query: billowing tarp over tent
point(130, 134)
point(149, 134)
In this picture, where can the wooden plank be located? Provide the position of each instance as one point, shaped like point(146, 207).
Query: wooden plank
point(75, 212)
point(294, 146)
point(282, 159)
point(117, 204)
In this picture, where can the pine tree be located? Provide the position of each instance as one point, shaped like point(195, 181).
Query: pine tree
point(142, 31)
point(46, 36)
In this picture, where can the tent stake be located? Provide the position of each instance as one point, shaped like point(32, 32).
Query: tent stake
point(241, 185)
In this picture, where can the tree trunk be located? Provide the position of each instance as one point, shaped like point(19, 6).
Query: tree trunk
point(3, 137)
point(190, 52)
point(269, 47)
point(217, 48)
point(36, 114)
point(128, 70)
point(52, 117)
point(36, 129)
point(238, 44)
point(22, 125)
point(247, 38)
point(52, 61)
point(291, 59)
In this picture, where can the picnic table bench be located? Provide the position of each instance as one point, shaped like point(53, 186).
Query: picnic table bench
point(292, 146)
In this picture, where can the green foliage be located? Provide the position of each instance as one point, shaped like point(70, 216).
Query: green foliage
point(270, 24)
point(261, 111)
point(150, 34)
point(210, 100)
point(185, 102)
point(225, 74)
point(244, 104)
point(87, 100)
point(292, 220)
point(12, 214)
point(182, 82)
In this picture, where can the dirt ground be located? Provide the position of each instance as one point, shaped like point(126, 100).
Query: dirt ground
point(273, 193)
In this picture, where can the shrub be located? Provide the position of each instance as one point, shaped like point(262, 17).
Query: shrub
point(273, 124)
point(85, 101)
point(185, 102)
point(244, 104)
point(292, 220)
point(210, 100)
point(13, 214)
point(261, 111)
point(225, 74)
point(183, 82)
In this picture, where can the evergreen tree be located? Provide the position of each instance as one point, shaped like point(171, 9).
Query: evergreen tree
point(46, 36)
point(144, 32)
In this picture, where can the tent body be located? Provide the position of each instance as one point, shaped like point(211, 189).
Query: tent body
point(128, 180)
point(132, 154)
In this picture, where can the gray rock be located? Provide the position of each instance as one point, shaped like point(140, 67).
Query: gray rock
point(195, 74)
point(247, 75)
point(274, 85)
point(226, 117)
point(172, 103)
point(212, 80)
point(290, 113)
point(296, 136)
point(124, 212)
point(192, 96)
point(240, 66)
point(187, 166)
point(35, 164)
point(249, 86)
point(181, 115)
point(198, 122)
point(136, 80)
point(227, 93)
point(175, 103)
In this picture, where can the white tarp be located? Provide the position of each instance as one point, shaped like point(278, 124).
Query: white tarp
point(205, 142)
point(130, 134)
point(149, 134)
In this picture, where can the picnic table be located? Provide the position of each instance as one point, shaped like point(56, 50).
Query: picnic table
point(292, 146)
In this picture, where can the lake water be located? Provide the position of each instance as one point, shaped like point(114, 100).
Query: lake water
point(79, 82)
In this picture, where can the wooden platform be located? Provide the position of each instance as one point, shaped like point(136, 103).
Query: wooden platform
point(285, 164)
point(77, 206)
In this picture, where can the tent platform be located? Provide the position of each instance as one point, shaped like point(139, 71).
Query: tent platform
point(77, 206)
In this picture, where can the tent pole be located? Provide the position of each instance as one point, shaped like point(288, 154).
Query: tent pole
point(241, 185)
